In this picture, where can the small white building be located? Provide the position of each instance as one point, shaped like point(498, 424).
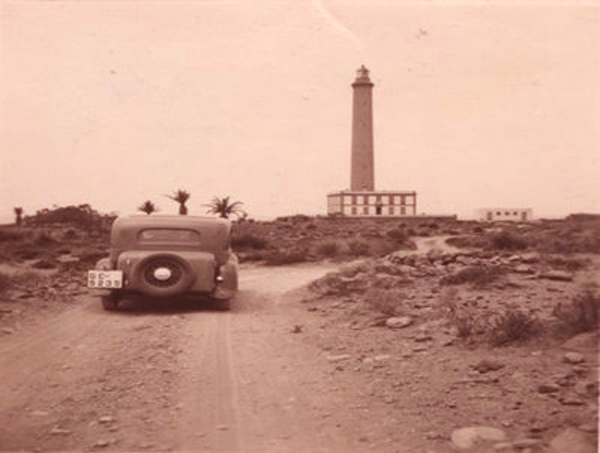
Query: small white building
point(372, 203)
point(505, 214)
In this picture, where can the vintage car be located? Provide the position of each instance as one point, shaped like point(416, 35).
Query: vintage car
point(166, 257)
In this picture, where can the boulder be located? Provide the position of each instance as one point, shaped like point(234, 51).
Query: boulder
point(573, 441)
point(557, 275)
point(465, 438)
point(399, 322)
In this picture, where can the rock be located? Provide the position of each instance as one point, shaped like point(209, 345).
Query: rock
point(571, 400)
point(399, 322)
point(573, 441)
point(423, 337)
point(557, 275)
point(465, 438)
point(102, 443)
point(523, 269)
point(548, 388)
point(530, 257)
point(584, 388)
point(7, 331)
point(573, 357)
point(338, 358)
point(588, 340)
point(106, 419)
point(487, 365)
point(382, 358)
point(56, 431)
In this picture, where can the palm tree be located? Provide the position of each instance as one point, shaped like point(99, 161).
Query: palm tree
point(224, 208)
point(18, 215)
point(180, 196)
point(148, 207)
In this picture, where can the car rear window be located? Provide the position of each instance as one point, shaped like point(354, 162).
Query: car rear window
point(173, 235)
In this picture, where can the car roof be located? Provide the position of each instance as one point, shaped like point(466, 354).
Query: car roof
point(168, 221)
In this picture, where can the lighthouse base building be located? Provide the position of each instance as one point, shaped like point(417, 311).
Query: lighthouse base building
point(372, 204)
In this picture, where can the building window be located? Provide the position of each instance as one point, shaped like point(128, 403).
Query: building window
point(402, 210)
point(391, 210)
point(366, 210)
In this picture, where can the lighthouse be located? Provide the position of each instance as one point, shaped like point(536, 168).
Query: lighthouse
point(362, 176)
point(362, 200)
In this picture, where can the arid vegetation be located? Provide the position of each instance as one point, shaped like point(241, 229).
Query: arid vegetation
point(427, 291)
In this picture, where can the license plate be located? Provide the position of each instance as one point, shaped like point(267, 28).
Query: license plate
point(105, 279)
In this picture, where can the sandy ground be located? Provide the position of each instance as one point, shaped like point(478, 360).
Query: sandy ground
point(175, 377)
point(280, 372)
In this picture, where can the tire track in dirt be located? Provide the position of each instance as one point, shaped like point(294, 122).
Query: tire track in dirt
point(208, 390)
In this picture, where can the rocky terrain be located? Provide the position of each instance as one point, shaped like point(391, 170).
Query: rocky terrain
point(489, 347)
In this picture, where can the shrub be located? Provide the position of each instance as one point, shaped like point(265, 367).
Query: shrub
point(467, 322)
point(328, 249)
point(398, 234)
point(70, 234)
point(249, 241)
point(11, 235)
point(385, 301)
point(44, 239)
point(358, 247)
point(279, 258)
point(28, 254)
point(475, 275)
point(580, 314)
point(507, 241)
point(513, 326)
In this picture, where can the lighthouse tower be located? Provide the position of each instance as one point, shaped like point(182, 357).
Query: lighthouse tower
point(362, 200)
point(362, 176)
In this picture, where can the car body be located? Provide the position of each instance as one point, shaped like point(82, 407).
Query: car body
point(165, 257)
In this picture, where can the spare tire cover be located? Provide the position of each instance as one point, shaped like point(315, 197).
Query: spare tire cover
point(164, 275)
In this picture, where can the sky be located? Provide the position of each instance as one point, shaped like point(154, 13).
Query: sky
point(476, 103)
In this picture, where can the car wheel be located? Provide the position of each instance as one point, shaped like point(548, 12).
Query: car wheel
point(110, 303)
point(164, 275)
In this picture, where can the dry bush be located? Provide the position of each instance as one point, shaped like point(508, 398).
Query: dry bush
point(11, 235)
point(479, 276)
point(328, 249)
point(398, 235)
point(385, 301)
point(358, 247)
point(512, 326)
point(467, 322)
point(580, 314)
point(506, 240)
point(249, 241)
point(44, 239)
point(281, 258)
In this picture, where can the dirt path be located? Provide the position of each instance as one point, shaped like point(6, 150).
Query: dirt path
point(173, 378)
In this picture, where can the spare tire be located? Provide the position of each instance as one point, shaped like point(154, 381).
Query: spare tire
point(164, 275)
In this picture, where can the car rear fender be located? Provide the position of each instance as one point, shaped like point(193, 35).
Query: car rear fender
point(227, 279)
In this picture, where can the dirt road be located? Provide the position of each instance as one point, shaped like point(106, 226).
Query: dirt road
point(158, 377)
